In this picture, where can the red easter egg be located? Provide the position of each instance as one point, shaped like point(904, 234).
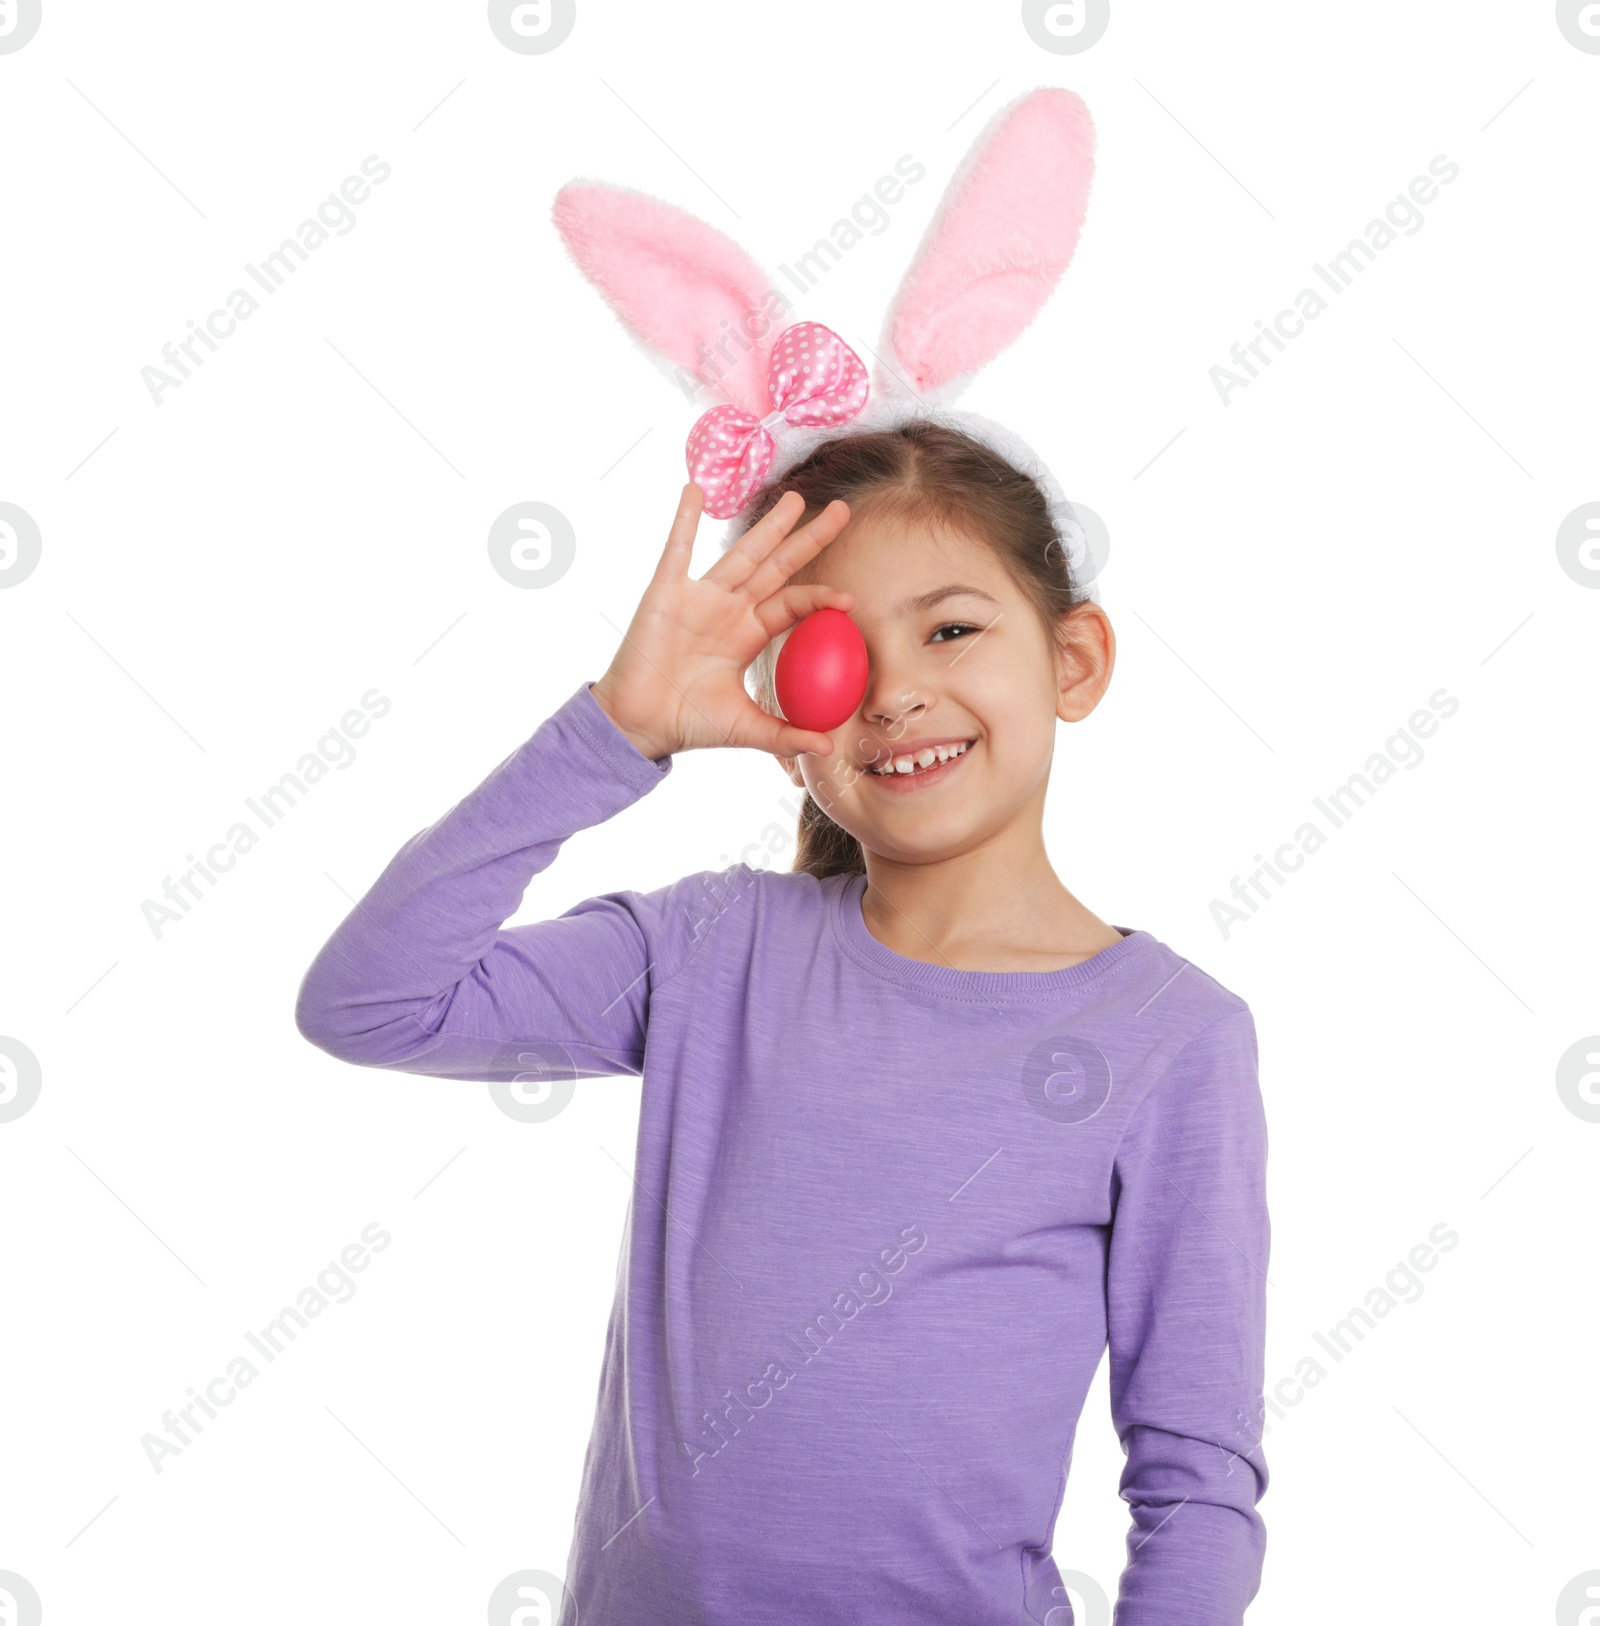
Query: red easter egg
point(821, 676)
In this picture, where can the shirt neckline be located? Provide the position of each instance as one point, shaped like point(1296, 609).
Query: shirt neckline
point(850, 927)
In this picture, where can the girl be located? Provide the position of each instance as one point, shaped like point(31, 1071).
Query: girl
point(921, 1134)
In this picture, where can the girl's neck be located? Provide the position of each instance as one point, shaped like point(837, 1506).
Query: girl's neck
point(999, 907)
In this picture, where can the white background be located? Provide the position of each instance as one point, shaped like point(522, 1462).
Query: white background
point(1292, 575)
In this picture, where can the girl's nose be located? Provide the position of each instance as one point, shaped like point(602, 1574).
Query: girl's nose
point(891, 701)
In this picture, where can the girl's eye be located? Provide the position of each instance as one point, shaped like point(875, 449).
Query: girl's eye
point(958, 627)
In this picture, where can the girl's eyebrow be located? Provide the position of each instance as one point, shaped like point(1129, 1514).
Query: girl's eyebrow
point(937, 595)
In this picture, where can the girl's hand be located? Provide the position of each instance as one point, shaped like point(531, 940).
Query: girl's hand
point(677, 682)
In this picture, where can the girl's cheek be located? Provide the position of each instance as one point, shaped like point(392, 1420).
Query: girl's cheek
point(829, 782)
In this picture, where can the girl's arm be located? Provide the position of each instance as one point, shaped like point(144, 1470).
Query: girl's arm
point(421, 976)
point(1186, 1303)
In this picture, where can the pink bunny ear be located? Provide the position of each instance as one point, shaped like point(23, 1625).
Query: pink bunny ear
point(1005, 231)
point(682, 288)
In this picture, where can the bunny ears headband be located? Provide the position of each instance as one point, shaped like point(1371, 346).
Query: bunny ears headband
point(1003, 235)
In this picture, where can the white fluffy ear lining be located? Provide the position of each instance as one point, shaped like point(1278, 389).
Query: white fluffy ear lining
point(1004, 233)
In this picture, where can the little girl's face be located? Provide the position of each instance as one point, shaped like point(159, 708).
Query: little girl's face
point(961, 668)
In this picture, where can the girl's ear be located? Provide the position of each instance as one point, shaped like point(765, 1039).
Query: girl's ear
point(1086, 654)
point(700, 306)
point(1003, 235)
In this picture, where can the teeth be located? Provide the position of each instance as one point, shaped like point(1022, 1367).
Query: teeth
point(913, 762)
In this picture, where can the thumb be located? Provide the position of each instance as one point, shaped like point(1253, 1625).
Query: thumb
point(796, 742)
point(763, 732)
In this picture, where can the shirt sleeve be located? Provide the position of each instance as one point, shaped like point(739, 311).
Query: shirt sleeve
point(423, 977)
point(1186, 1320)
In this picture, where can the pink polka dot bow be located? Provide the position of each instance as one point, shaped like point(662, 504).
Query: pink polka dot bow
point(815, 378)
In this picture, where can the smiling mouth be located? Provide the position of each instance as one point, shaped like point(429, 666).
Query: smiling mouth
point(916, 765)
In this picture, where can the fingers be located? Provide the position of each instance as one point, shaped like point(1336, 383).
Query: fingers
point(766, 555)
point(780, 612)
point(675, 556)
point(735, 566)
point(788, 556)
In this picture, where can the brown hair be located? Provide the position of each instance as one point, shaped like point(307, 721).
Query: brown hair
point(929, 473)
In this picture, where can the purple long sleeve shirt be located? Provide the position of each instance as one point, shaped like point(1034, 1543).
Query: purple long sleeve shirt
point(888, 1216)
